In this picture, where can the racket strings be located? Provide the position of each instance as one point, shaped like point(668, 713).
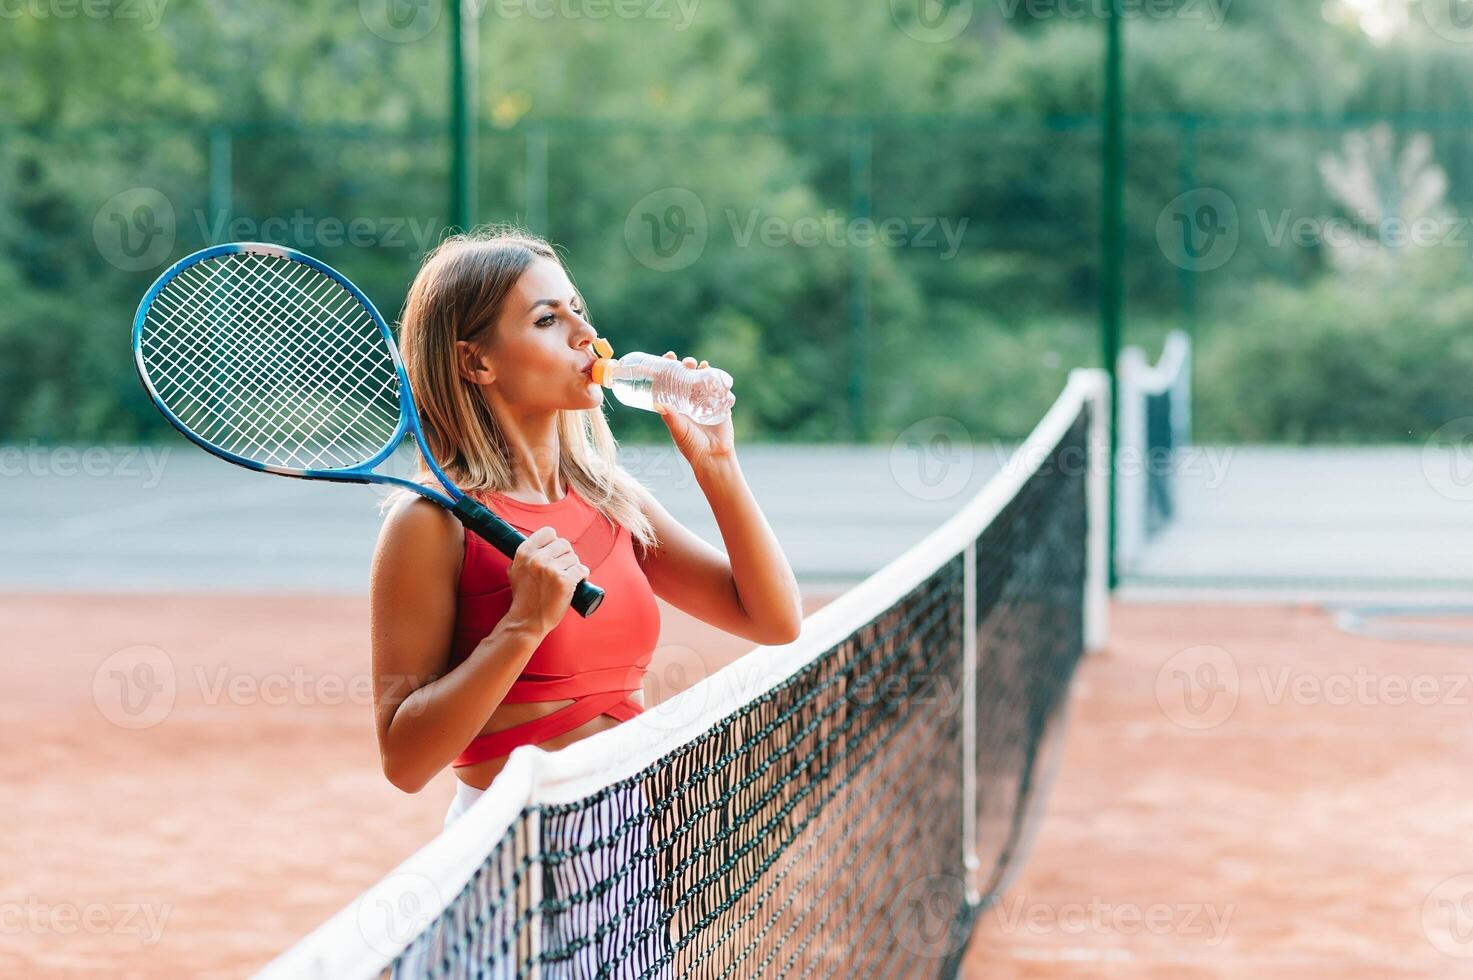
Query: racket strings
point(273, 361)
point(314, 374)
point(250, 368)
point(243, 431)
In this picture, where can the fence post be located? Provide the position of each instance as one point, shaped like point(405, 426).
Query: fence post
point(534, 180)
point(861, 153)
point(220, 178)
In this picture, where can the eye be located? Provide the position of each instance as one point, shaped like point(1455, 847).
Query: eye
point(547, 319)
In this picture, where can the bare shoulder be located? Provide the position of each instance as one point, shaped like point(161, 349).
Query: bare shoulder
point(421, 534)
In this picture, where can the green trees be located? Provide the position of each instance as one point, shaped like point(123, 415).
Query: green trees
point(756, 182)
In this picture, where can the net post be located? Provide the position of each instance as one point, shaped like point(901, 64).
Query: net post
point(1130, 482)
point(971, 861)
point(1097, 500)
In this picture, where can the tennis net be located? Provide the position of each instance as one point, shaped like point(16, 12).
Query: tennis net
point(843, 805)
point(1155, 425)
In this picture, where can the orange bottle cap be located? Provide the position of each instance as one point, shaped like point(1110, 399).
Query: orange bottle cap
point(603, 348)
point(600, 369)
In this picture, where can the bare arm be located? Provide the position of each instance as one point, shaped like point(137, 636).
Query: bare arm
point(424, 719)
point(753, 592)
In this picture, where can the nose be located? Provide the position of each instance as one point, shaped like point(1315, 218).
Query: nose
point(584, 335)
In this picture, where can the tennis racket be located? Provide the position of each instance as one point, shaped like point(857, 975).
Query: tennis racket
point(274, 361)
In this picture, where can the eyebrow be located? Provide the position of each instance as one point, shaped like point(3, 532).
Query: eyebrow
point(578, 300)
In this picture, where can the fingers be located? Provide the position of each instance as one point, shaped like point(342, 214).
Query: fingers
point(689, 361)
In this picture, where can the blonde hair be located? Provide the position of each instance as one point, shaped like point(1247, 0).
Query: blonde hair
point(459, 294)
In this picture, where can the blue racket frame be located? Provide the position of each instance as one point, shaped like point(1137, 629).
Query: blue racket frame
point(586, 598)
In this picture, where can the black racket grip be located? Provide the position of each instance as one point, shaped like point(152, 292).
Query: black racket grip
point(506, 539)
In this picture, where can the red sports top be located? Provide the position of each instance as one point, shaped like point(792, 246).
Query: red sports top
point(597, 661)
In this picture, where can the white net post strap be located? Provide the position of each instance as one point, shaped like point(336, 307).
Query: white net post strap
point(1138, 380)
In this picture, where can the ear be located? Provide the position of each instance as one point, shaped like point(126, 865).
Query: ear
point(473, 365)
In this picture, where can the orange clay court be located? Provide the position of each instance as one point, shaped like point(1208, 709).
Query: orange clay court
point(1278, 825)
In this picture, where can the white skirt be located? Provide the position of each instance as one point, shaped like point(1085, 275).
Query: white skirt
point(465, 795)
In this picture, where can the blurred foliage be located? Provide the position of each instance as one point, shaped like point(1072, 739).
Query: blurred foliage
point(299, 122)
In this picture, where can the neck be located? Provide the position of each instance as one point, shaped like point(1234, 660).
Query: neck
point(535, 453)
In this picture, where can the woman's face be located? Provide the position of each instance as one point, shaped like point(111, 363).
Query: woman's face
point(542, 345)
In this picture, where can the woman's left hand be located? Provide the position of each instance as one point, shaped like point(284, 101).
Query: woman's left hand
point(699, 444)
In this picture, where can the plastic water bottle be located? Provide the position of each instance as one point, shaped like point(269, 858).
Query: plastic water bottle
point(642, 380)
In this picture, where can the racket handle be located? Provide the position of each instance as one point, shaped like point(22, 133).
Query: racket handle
point(506, 539)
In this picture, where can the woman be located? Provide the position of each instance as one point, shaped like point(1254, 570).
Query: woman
point(474, 653)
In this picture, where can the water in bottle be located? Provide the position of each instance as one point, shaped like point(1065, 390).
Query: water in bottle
point(642, 380)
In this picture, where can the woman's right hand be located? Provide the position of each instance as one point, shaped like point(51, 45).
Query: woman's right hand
point(543, 575)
